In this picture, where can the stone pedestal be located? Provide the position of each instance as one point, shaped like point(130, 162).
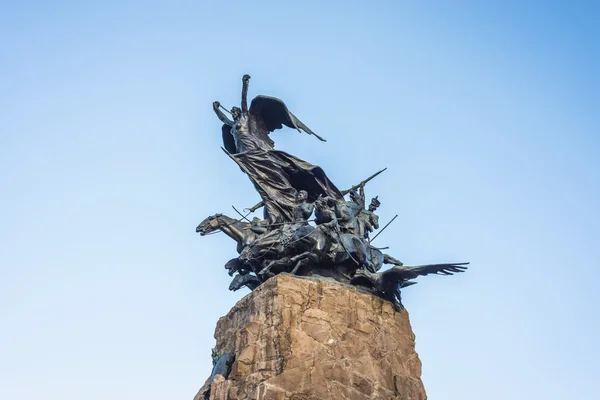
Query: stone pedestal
point(312, 338)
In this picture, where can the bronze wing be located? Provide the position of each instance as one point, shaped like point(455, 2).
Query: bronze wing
point(274, 114)
point(404, 273)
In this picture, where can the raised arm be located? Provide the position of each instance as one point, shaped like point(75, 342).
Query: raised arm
point(245, 81)
point(220, 114)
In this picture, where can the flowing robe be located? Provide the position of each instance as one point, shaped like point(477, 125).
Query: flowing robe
point(277, 176)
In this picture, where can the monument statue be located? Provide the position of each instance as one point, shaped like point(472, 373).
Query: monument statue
point(309, 227)
point(221, 366)
point(276, 175)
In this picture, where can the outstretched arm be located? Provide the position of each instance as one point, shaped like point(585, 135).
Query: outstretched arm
point(220, 114)
point(361, 195)
point(245, 81)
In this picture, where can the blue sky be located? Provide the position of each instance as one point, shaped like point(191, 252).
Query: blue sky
point(486, 115)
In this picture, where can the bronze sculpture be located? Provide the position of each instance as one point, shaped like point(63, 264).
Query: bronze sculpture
point(221, 366)
point(388, 283)
point(276, 175)
point(336, 243)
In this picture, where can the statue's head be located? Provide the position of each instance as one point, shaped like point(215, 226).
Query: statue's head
point(301, 196)
point(257, 222)
point(209, 225)
point(374, 204)
point(232, 266)
point(322, 203)
point(236, 113)
point(214, 355)
point(237, 283)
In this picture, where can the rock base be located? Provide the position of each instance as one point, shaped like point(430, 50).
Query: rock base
point(314, 338)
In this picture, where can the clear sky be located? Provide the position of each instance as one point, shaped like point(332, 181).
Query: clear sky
point(487, 115)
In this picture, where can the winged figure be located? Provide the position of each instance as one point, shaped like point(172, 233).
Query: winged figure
point(276, 175)
point(389, 282)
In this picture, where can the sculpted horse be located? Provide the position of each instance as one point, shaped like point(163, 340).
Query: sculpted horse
point(307, 245)
point(237, 230)
point(314, 246)
point(323, 247)
point(251, 256)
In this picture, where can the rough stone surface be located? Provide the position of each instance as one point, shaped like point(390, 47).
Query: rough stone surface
point(313, 338)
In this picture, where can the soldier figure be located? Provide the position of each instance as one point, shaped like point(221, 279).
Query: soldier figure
point(367, 220)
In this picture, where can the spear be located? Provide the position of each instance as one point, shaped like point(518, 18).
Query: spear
point(383, 229)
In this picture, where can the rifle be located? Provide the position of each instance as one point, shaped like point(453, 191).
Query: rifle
point(345, 192)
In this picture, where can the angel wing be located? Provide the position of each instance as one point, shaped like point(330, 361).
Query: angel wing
point(405, 273)
point(274, 114)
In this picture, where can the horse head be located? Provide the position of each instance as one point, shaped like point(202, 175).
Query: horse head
point(247, 280)
point(236, 265)
point(209, 225)
point(237, 283)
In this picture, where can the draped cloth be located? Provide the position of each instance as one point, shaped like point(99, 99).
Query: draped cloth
point(278, 176)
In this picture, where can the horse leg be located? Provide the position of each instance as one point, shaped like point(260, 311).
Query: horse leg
point(303, 259)
point(359, 253)
point(285, 261)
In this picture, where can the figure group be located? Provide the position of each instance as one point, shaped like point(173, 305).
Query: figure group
point(308, 226)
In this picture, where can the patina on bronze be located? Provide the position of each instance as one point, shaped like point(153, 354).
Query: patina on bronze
point(309, 227)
